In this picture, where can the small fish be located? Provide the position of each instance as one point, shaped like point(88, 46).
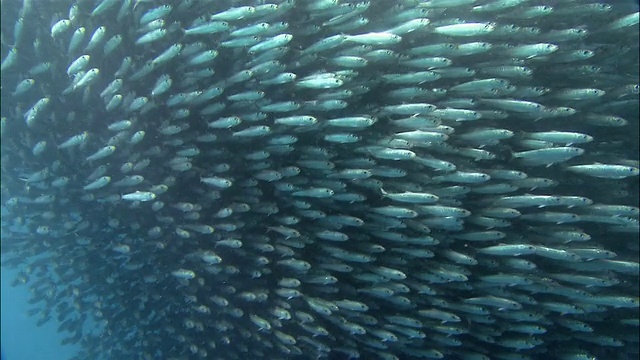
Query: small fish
point(375, 38)
point(152, 36)
point(74, 141)
point(98, 183)
point(548, 156)
point(139, 196)
point(508, 250)
point(102, 153)
point(605, 171)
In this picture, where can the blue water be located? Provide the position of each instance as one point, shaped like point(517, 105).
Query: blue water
point(21, 339)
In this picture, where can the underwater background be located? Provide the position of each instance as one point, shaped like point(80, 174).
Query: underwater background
point(403, 179)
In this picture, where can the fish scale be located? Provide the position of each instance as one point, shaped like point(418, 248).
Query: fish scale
point(281, 164)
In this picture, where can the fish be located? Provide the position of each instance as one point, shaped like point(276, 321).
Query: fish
point(324, 179)
point(139, 196)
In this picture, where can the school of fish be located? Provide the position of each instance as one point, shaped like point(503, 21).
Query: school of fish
point(309, 179)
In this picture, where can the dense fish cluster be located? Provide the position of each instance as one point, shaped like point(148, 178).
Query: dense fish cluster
point(324, 179)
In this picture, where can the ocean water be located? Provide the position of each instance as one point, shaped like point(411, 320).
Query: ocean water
point(22, 338)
